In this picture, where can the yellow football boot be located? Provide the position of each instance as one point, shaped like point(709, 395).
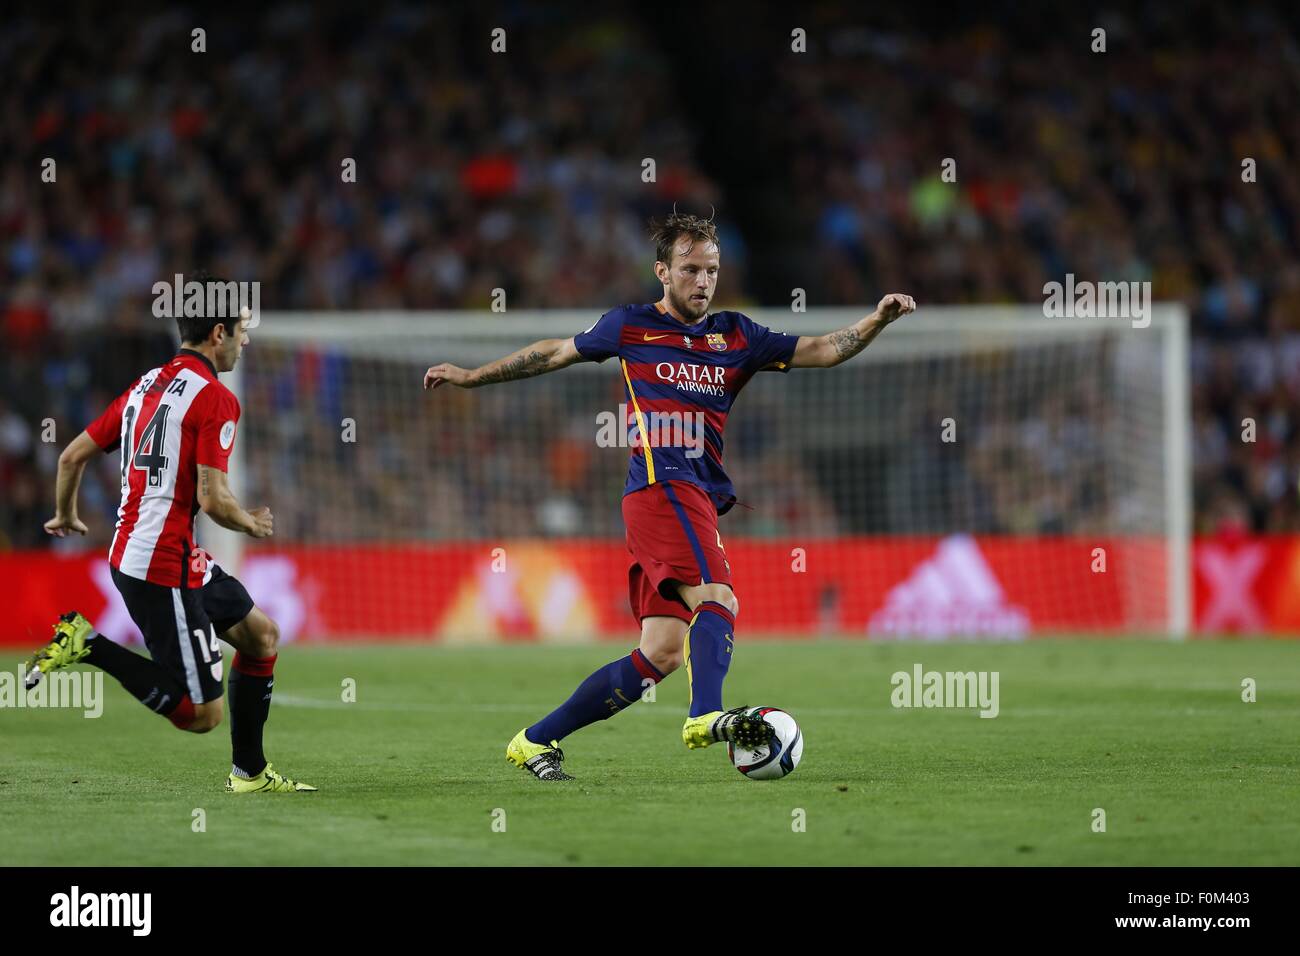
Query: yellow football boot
point(542, 760)
point(736, 726)
point(268, 781)
point(67, 648)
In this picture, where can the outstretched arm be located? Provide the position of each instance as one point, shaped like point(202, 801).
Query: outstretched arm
point(547, 355)
point(826, 351)
point(72, 464)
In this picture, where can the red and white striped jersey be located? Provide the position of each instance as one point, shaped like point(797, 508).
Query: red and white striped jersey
point(170, 421)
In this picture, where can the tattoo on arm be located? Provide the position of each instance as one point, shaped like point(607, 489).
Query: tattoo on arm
point(847, 343)
point(523, 366)
point(203, 472)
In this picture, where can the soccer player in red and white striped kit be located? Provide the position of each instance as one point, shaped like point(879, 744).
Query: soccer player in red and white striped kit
point(175, 427)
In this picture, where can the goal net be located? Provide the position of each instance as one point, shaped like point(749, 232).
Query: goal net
point(977, 472)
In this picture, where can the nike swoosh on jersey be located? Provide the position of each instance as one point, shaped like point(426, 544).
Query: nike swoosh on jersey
point(650, 338)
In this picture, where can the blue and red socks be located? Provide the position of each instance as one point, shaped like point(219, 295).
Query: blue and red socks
point(708, 655)
point(602, 695)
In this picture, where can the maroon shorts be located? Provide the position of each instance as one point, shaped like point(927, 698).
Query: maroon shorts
point(672, 535)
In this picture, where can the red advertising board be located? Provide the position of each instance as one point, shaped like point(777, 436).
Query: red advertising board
point(1247, 584)
point(873, 587)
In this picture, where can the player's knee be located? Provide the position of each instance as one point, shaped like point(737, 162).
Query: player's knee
point(719, 594)
point(268, 639)
point(665, 661)
point(261, 637)
point(206, 717)
point(202, 725)
point(661, 643)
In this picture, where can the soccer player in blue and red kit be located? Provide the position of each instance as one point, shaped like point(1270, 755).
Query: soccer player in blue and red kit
point(679, 364)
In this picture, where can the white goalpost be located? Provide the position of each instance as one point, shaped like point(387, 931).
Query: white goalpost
point(989, 449)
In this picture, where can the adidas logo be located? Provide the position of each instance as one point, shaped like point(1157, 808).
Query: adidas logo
point(953, 593)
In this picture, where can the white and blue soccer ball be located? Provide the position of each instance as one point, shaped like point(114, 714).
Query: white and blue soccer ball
point(771, 761)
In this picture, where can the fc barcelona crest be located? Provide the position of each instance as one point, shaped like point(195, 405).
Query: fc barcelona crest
point(717, 341)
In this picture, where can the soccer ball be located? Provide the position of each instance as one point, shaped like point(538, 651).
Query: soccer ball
point(771, 761)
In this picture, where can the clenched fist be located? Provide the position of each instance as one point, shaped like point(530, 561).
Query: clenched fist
point(263, 523)
point(894, 305)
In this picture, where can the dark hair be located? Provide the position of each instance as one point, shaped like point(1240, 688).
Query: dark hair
point(677, 224)
point(195, 329)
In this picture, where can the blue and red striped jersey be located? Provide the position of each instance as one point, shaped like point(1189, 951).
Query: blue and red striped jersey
point(680, 381)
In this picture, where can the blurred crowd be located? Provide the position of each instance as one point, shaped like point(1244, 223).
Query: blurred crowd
point(523, 171)
point(1127, 165)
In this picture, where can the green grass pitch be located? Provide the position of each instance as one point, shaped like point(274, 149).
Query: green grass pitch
point(1154, 733)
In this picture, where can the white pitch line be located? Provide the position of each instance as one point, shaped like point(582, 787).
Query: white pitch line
point(289, 700)
point(315, 703)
